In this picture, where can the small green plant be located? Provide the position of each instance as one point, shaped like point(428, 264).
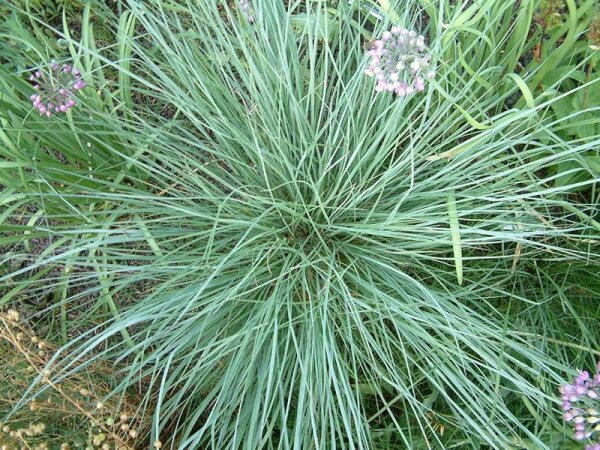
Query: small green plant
point(549, 14)
point(594, 33)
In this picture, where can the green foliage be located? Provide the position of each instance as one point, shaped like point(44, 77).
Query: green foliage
point(45, 9)
point(566, 62)
point(555, 58)
point(287, 259)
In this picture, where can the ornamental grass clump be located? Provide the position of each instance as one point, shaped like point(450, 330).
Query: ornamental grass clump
point(285, 258)
point(55, 87)
point(400, 62)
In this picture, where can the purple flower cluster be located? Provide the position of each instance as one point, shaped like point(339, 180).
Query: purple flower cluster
point(246, 9)
point(581, 404)
point(399, 62)
point(56, 89)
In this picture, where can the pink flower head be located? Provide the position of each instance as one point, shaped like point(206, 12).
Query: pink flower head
point(247, 10)
point(581, 403)
point(399, 56)
point(55, 88)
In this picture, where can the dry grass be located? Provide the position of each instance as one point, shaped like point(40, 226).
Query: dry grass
point(66, 412)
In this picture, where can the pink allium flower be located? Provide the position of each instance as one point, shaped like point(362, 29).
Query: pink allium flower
point(247, 10)
point(581, 405)
point(399, 59)
point(55, 89)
